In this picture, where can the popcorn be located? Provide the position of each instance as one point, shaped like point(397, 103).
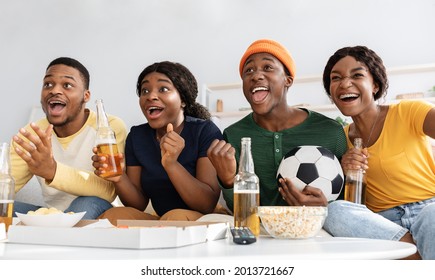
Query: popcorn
point(292, 222)
point(46, 211)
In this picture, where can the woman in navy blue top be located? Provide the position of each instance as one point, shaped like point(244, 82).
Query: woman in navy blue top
point(166, 158)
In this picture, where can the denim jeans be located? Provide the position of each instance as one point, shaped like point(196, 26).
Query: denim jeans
point(346, 219)
point(94, 206)
point(419, 219)
point(23, 208)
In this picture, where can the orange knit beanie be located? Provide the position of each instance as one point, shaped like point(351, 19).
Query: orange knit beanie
point(272, 47)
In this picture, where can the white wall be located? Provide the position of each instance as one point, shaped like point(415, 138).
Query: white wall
point(116, 39)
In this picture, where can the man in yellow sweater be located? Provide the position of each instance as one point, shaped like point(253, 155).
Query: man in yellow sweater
point(58, 149)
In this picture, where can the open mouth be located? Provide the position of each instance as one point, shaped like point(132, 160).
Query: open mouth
point(259, 93)
point(56, 106)
point(154, 111)
point(348, 97)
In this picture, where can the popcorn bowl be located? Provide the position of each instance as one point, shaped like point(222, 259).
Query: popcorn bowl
point(294, 222)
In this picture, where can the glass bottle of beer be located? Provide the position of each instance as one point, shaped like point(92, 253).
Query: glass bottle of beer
point(7, 187)
point(246, 191)
point(106, 144)
point(355, 184)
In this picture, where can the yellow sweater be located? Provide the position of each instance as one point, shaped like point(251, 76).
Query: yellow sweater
point(401, 165)
point(74, 174)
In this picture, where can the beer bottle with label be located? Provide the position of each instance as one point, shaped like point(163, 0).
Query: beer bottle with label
point(355, 183)
point(246, 191)
point(106, 144)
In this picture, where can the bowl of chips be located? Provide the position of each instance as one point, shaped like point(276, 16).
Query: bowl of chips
point(50, 217)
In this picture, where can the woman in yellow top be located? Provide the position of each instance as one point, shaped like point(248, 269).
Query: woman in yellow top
point(401, 177)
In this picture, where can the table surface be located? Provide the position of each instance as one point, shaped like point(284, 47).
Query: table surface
point(265, 247)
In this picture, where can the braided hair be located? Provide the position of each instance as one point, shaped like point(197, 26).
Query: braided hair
point(184, 82)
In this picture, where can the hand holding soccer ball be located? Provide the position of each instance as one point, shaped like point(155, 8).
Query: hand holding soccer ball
point(314, 166)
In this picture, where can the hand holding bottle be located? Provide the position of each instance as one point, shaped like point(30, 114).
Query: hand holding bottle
point(355, 181)
point(354, 159)
point(107, 148)
point(100, 165)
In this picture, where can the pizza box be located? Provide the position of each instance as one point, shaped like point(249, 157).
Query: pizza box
point(129, 234)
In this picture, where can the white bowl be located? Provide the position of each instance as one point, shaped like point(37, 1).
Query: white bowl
point(51, 220)
point(292, 221)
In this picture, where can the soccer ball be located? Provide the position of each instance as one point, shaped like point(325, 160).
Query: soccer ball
point(315, 166)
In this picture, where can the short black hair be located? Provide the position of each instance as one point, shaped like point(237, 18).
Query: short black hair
point(71, 62)
point(362, 54)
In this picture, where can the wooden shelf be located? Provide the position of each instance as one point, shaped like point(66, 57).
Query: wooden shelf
point(318, 78)
point(317, 108)
point(210, 93)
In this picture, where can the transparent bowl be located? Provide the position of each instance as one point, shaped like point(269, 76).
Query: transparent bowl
point(295, 222)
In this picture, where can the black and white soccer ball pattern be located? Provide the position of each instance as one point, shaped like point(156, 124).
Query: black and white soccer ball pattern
point(315, 166)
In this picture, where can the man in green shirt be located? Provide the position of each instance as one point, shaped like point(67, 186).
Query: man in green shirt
point(267, 71)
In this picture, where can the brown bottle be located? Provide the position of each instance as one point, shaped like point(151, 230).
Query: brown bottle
point(106, 144)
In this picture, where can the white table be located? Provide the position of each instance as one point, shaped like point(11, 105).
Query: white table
point(318, 248)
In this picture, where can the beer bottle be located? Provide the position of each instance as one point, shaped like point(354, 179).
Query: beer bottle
point(355, 183)
point(106, 144)
point(246, 191)
point(7, 187)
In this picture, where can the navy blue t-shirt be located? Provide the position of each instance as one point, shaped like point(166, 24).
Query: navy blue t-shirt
point(142, 149)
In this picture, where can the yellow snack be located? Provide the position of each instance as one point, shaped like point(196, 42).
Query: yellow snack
point(44, 211)
point(53, 210)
